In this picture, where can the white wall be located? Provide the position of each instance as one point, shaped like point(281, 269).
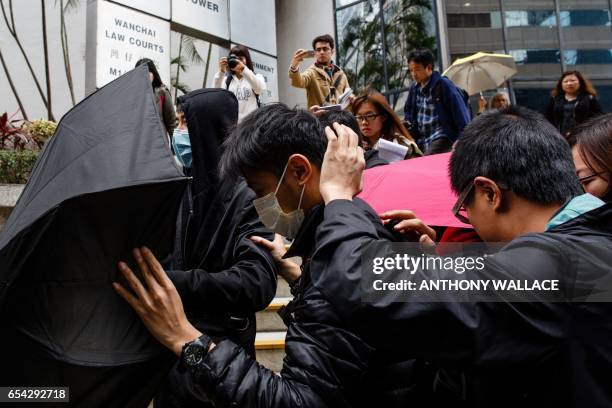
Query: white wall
point(297, 23)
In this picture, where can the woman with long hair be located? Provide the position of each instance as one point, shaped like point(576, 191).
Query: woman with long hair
point(377, 120)
point(573, 100)
point(240, 79)
point(592, 151)
point(163, 100)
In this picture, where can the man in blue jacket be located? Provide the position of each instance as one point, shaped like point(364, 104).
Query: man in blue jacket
point(436, 111)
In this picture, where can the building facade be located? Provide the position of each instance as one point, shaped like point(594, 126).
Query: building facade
point(373, 37)
point(546, 38)
point(94, 41)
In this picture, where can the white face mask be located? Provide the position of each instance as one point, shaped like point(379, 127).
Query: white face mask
point(273, 217)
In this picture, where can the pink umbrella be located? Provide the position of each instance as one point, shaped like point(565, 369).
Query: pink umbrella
point(421, 185)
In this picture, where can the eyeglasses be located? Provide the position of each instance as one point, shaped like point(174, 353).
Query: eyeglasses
point(587, 178)
point(367, 118)
point(459, 210)
point(322, 49)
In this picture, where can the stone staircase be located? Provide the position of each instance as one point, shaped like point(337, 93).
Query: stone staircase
point(270, 338)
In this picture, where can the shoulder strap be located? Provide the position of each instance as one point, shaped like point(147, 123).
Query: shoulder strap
point(229, 79)
point(334, 87)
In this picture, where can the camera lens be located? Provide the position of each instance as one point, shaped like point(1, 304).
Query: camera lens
point(232, 61)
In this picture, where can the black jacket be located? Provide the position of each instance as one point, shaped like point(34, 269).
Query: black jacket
point(221, 275)
point(373, 159)
point(586, 107)
point(505, 354)
point(326, 363)
point(509, 354)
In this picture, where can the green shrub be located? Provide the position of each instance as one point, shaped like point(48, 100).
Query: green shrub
point(16, 165)
point(39, 130)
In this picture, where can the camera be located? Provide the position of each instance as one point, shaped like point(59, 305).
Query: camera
point(232, 61)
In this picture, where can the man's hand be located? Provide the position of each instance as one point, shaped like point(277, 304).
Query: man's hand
point(158, 304)
point(482, 104)
point(298, 57)
point(223, 67)
point(316, 110)
point(343, 164)
point(288, 269)
point(410, 225)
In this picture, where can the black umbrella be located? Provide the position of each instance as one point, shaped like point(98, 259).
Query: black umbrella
point(105, 182)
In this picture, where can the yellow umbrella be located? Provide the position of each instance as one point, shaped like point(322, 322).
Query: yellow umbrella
point(481, 71)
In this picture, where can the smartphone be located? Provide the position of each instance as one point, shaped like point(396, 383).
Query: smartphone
point(330, 108)
point(309, 54)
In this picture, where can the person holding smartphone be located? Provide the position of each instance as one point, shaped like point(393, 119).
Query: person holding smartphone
point(240, 79)
point(324, 81)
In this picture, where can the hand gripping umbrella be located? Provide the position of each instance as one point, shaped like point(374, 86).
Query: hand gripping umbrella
point(104, 183)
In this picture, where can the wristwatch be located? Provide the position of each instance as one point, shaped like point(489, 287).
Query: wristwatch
point(195, 351)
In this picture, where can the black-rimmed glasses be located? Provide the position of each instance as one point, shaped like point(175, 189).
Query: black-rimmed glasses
point(367, 118)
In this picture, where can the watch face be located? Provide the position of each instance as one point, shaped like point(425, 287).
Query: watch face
point(194, 353)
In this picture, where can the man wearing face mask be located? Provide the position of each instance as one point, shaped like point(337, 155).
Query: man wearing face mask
point(280, 152)
point(543, 351)
point(222, 276)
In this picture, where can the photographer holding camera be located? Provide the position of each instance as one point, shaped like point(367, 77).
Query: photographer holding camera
point(324, 81)
point(237, 69)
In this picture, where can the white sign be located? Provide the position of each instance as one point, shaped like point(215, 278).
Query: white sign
point(253, 24)
point(160, 8)
point(207, 16)
point(122, 37)
point(266, 66)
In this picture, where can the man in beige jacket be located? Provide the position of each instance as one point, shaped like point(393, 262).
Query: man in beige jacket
point(324, 82)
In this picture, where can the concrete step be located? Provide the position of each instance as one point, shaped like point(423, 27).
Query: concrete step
point(268, 320)
point(282, 288)
point(270, 349)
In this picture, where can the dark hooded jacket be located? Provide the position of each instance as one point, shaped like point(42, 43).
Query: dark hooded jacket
point(502, 354)
point(326, 363)
point(222, 276)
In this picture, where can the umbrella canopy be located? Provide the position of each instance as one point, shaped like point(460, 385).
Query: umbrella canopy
point(481, 71)
point(421, 185)
point(104, 183)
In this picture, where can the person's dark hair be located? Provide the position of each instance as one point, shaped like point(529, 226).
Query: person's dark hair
point(585, 84)
point(344, 118)
point(157, 82)
point(519, 148)
point(264, 140)
point(392, 123)
point(594, 140)
point(421, 56)
point(323, 38)
point(242, 51)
